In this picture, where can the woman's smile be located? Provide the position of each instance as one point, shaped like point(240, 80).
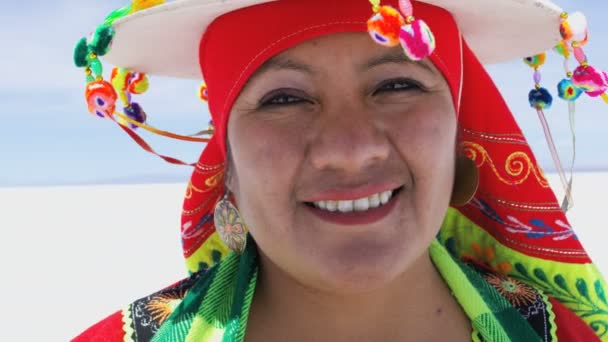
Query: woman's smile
point(363, 205)
point(364, 211)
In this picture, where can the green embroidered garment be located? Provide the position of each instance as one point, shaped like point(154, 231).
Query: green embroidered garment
point(506, 299)
point(217, 306)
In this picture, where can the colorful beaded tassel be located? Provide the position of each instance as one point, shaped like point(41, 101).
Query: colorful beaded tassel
point(575, 34)
point(102, 96)
point(389, 27)
point(584, 79)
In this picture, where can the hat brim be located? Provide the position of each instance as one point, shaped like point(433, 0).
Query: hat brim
point(164, 40)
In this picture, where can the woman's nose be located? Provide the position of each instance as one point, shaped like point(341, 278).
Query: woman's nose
point(348, 142)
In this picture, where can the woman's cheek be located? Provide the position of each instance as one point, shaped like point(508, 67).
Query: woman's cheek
point(269, 152)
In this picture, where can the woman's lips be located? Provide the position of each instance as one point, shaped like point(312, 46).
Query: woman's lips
point(355, 218)
point(352, 193)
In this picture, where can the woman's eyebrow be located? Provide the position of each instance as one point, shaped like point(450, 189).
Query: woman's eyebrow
point(283, 63)
point(394, 56)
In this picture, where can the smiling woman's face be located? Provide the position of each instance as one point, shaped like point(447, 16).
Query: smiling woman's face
point(343, 161)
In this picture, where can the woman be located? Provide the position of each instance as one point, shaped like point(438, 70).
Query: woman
point(338, 180)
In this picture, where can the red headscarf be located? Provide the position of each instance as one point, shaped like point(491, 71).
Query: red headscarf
point(513, 193)
point(514, 209)
point(237, 44)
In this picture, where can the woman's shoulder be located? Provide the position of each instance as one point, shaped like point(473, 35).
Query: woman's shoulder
point(551, 320)
point(140, 320)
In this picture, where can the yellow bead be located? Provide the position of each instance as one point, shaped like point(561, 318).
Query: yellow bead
point(88, 71)
point(564, 15)
point(575, 44)
point(569, 74)
point(410, 19)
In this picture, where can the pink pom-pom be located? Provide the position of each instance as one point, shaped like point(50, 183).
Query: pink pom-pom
point(593, 81)
point(417, 40)
point(406, 8)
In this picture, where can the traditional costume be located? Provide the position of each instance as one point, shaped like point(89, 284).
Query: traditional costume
point(510, 257)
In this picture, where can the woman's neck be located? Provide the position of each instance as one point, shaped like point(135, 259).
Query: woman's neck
point(416, 306)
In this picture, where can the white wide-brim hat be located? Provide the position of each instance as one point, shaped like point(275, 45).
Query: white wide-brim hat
point(167, 36)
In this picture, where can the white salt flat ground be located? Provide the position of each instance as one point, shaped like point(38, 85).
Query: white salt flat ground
point(72, 255)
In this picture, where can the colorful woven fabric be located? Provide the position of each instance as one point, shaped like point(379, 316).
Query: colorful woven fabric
point(492, 316)
point(213, 304)
point(514, 204)
point(514, 225)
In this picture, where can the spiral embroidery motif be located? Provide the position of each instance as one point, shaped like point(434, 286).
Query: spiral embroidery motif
point(518, 165)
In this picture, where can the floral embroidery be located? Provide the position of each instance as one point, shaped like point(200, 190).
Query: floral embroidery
point(589, 304)
point(146, 315)
point(579, 287)
point(515, 291)
point(534, 229)
point(529, 302)
point(162, 305)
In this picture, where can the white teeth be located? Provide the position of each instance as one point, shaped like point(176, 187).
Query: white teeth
point(331, 205)
point(345, 206)
point(361, 204)
point(385, 197)
point(374, 201)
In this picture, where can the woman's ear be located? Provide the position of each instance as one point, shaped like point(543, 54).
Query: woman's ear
point(466, 176)
point(466, 181)
point(229, 171)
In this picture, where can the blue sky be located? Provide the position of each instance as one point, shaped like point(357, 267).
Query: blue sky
point(48, 138)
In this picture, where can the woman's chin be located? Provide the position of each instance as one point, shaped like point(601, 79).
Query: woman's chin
point(364, 268)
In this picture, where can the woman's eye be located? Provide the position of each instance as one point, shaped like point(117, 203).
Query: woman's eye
point(281, 100)
point(398, 85)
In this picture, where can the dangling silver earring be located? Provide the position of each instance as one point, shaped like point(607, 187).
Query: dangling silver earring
point(229, 225)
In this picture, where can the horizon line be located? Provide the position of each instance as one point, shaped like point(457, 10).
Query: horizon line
point(178, 179)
